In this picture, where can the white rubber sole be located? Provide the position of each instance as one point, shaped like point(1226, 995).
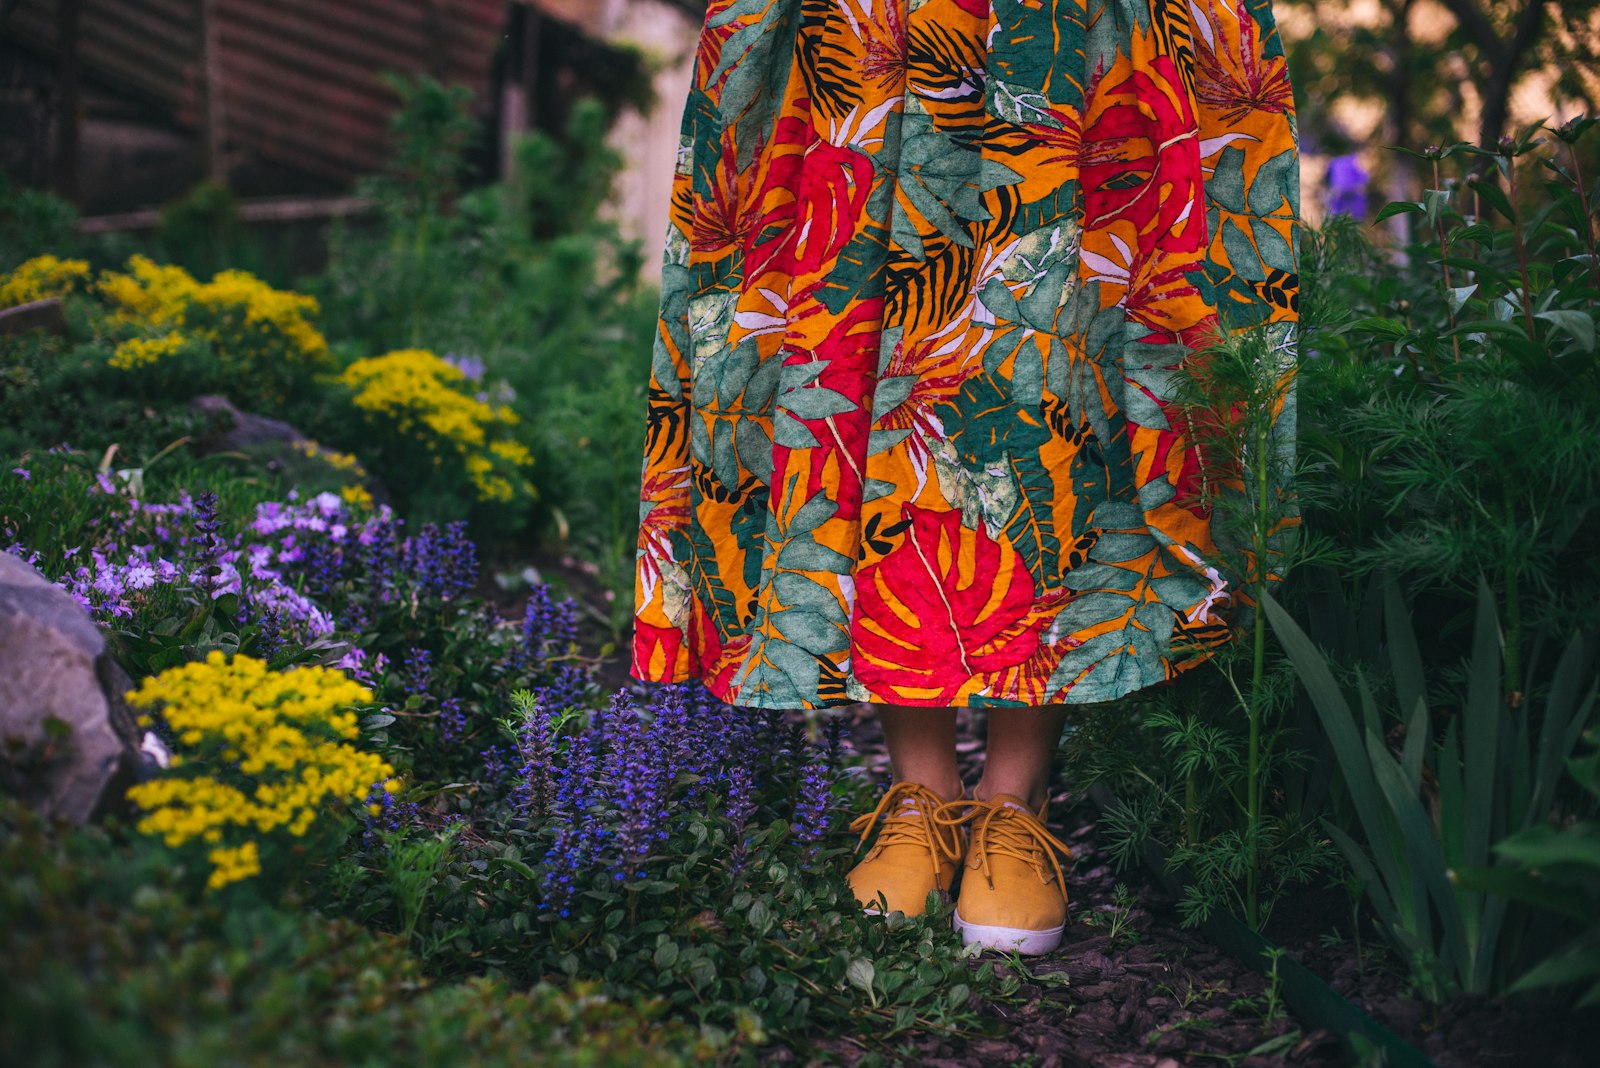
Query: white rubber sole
point(1021, 940)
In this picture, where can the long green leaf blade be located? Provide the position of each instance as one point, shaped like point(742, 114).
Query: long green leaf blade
point(1481, 732)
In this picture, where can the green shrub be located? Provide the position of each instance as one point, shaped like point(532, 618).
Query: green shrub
point(1449, 410)
point(524, 282)
point(106, 962)
point(1495, 767)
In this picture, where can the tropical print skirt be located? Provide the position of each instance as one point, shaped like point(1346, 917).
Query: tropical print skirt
point(931, 266)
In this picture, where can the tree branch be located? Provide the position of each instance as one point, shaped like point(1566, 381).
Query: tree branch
point(1503, 74)
point(1477, 26)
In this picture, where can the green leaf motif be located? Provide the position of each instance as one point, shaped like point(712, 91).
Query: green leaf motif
point(1226, 186)
point(815, 402)
point(1039, 47)
point(859, 272)
point(1032, 530)
point(985, 422)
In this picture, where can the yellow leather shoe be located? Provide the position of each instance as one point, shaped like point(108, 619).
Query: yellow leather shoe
point(912, 856)
point(1013, 892)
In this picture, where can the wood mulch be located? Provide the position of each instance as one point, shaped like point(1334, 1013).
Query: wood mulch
point(1156, 996)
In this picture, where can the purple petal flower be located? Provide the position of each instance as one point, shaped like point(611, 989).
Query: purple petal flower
point(1347, 186)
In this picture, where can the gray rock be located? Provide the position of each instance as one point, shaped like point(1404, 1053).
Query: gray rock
point(243, 431)
point(68, 743)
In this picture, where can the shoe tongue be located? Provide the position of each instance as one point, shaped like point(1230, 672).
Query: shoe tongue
point(1008, 801)
point(909, 806)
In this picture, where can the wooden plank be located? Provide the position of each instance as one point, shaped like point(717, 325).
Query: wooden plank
point(265, 210)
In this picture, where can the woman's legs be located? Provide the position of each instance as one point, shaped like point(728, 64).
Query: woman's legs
point(1021, 750)
point(922, 747)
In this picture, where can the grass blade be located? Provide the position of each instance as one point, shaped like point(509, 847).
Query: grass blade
point(1481, 732)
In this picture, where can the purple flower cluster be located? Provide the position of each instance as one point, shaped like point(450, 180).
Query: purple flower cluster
point(741, 806)
point(496, 763)
point(364, 668)
point(640, 769)
point(579, 838)
point(612, 793)
point(384, 813)
point(535, 791)
point(110, 588)
point(443, 562)
point(549, 627)
point(813, 800)
point(453, 724)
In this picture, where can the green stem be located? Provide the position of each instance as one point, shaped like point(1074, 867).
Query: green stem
point(1522, 249)
point(1444, 257)
point(1588, 217)
point(1189, 789)
point(1513, 629)
point(1258, 662)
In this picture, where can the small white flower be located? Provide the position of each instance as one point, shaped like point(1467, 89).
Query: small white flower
point(156, 749)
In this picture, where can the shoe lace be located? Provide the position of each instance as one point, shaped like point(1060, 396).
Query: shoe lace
point(1007, 831)
point(906, 813)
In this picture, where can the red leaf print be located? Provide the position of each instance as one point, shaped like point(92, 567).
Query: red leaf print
point(667, 492)
point(948, 604)
point(769, 239)
point(1238, 83)
point(939, 378)
point(657, 651)
point(838, 462)
point(833, 188)
point(813, 196)
point(726, 215)
point(1141, 157)
point(713, 662)
point(1028, 681)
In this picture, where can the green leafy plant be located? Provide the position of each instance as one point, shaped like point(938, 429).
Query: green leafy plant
point(1556, 870)
point(1448, 411)
point(1236, 396)
point(1495, 772)
point(109, 962)
point(1114, 917)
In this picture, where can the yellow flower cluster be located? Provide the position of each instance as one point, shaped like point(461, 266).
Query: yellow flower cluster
point(148, 294)
point(251, 326)
point(356, 496)
point(140, 351)
point(241, 300)
point(339, 461)
point(232, 864)
point(417, 394)
point(263, 751)
point(41, 277)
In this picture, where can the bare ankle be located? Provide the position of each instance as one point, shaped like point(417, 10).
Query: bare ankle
point(1034, 798)
point(946, 792)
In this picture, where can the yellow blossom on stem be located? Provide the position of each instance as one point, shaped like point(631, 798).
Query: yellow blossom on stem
point(288, 733)
point(414, 393)
point(41, 277)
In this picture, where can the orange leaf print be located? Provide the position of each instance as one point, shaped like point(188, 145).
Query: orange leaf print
point(948, 604)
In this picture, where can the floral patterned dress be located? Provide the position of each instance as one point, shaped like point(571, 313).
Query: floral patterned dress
point(931, 265)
